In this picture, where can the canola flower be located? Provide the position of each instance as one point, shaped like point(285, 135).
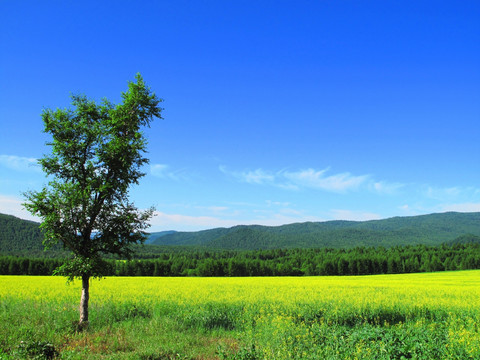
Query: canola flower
point(445, 290)
point(429, 315)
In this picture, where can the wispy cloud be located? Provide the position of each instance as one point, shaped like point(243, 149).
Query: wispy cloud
point(165, 221)
point(182, 222)
point(382, 187)
point(454, 194)
point(465, 207)
point(339, 214)
point(217, 209)
point(317, 179)
point(19, 163)
point(163, 171)
point(442, 193)
point(313, 179)
point(407, 209)
point(277, 203)
point(258, 176)
point(12, 205)
point(432, 199)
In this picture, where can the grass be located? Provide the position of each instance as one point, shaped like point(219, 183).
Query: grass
point(418, 316)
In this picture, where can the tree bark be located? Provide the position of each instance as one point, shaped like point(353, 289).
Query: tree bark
point(84, 301)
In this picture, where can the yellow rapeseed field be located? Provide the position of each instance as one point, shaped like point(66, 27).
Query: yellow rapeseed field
point(445, 290)
point(381, 316)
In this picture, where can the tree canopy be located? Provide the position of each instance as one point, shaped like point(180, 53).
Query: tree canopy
point(97, 153)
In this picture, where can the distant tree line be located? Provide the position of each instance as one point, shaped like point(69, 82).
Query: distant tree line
point(13, 265)
point(278, 262)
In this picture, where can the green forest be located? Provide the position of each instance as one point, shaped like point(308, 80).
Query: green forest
point(278, 262)
point(249, 251)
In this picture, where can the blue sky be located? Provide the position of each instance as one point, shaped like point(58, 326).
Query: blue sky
point(275, 111)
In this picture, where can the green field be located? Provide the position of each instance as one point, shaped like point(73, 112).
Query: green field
point(418, 316)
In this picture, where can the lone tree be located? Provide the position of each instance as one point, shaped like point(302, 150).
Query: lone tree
point(97, 152)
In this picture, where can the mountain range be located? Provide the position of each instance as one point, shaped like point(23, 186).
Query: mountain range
point(432, 229)
point(22, 237)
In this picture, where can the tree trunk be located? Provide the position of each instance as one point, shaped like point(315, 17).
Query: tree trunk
point(84, 301)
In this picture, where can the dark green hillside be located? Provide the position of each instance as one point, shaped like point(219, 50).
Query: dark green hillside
point(430, 229)
point(465, 239)
point(191, 238)
point(157, 235)
point(443, 224)
point(23, 238)
point(17, 235)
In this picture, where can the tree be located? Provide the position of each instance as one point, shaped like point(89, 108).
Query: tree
point(97, 153)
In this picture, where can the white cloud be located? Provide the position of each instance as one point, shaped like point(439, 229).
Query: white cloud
point(258, 176)
point(216, 210)
point(277, 203)
point(163, 171)
point(285, 217)
point(295, 180)
point(19, 163)
point(443, 193)
point(12, 205)
point(465, 207)
point(159, 170)
point(317, 180)
point(339, 214)
point(452, 197)
point(164, 221)
point(180, 222)
point(314, 179)
point(383, 187)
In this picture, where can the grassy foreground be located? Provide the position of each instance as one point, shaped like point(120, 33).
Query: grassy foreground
point(419, 316)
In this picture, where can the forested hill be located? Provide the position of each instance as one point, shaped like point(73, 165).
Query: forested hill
point(430, 229)
point(22, 237)
point(17, 234)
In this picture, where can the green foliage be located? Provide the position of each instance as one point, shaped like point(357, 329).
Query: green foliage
point(97, 154)
point(94, 266)
point(278, 262)
point(37, 350)
point(298, 262)
point(465, 239)
point(245, 353)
